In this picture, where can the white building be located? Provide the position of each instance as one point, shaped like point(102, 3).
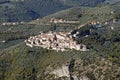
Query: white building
point(55, 41)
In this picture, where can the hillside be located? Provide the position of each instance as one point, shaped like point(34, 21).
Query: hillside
point(97, 29)
point(28, 10)
point(45, 7)
point(83, 14)
point(33, 9)
point(88, 3)
point(14, 12)
point(21, 62)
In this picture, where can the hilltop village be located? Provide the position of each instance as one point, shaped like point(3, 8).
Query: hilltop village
point(60, 41)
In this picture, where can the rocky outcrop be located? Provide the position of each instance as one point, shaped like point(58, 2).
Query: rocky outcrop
point(61, 72)
point(79, 69)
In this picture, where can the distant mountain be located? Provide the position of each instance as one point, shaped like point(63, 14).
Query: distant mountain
point(27, 10)
point(13, 12)
point(20, 10)
point(45, 7)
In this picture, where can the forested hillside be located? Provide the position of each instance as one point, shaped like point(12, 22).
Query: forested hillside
point(45, 7)
point(84, 14)
point(26, 10)
point(14, 12)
